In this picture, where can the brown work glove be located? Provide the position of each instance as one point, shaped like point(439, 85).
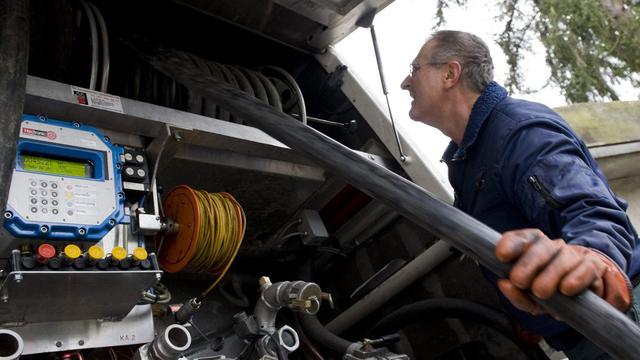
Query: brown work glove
point(547, 266)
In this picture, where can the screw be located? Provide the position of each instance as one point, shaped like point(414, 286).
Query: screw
point(41, 118)
point(112, 222)
point(76, 125)
point(18, 278)
point(44, 229)
point(8, 214)
point(177, 137)
point(58, 343)
point(107, 139)
point(81, 342)
point(82, 231)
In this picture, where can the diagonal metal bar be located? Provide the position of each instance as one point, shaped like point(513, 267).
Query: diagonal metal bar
point(587, 313)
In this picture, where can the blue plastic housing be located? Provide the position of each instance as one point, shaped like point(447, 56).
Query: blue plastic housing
point(25, 228)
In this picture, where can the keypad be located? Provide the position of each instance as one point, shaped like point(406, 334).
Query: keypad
point(42, 199)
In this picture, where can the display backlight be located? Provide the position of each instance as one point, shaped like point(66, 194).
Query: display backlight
point(54, 166)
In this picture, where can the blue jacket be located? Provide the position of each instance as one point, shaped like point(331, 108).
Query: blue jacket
point(520, 165)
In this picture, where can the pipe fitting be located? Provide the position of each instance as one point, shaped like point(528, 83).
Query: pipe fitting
point(174, 340)
point(11, 345)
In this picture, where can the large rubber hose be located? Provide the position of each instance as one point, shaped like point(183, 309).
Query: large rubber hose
point(589, 314)
point(448, 308)
point(319, 335)
point(14, 59)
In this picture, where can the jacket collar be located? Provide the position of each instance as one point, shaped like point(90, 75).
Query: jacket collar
point(488, 99)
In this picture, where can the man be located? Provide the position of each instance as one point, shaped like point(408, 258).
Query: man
point(518, 167)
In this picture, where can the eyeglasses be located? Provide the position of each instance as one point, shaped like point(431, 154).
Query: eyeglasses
point(413, 67)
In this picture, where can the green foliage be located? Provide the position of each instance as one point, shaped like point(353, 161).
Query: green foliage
point(590, 44)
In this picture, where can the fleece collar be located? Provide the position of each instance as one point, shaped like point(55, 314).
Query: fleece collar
point(488, 99)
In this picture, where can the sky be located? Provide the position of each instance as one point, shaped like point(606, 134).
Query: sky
point(402, 28)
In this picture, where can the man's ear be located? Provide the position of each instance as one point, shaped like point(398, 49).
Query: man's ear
point(452, 76)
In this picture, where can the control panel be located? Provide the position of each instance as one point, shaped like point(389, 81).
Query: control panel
point(66, 184)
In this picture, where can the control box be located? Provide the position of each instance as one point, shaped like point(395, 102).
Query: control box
point(66, 184)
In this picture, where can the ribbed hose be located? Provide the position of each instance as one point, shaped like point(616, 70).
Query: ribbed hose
point(447, 308)
point(319, 335)
point(14, 59)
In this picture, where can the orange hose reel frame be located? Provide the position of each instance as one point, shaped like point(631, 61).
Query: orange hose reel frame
point(181, 205)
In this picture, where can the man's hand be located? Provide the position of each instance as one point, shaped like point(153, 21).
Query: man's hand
point(547, 266)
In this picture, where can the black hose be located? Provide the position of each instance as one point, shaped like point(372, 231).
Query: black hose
point(446, 308)
point(607, 327)
point(318, 334)
point(14, 60)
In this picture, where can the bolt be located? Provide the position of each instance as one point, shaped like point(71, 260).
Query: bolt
point(107, 139)
point(82, 231)
point(58, 343)
point(177, 137)
point(8, 214)
point(112, 222)
point(76, 125)
point(44, 229)
point(158, 276)
point(81, 342)
point(41, 118)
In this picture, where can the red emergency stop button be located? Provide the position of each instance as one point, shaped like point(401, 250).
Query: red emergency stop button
point(46, 252)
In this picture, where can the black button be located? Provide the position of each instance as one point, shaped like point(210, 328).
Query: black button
point(54, 263)
point(28, 262)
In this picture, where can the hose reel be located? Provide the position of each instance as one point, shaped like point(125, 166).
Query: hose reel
point(208, 232)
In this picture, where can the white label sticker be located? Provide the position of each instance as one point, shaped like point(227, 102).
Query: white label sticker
point(96, 99)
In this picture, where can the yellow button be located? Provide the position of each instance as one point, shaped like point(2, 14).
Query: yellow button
point(72, 251)
point(119, 253)
point(139, 254)
point(95, 253)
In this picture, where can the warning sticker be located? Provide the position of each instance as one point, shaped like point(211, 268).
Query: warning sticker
point(96, 99)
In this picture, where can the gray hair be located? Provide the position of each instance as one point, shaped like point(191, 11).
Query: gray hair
point(472, 53)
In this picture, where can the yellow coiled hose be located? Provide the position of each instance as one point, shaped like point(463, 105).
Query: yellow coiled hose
point(222, 228)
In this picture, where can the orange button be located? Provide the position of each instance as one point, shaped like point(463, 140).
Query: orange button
point(47, 251)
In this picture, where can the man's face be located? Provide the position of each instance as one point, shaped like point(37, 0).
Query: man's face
point(425, 87)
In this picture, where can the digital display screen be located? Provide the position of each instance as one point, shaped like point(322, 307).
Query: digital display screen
point(55, 166)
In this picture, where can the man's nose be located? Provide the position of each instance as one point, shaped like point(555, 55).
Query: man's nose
point(406, 83)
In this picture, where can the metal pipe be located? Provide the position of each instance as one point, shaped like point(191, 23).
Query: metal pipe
point(399, 281)
point(301, 105)
point(14, 60)
point(106, 61)
point(174, 340)
point(94, 45)
point(11, 345)
point(592, 316)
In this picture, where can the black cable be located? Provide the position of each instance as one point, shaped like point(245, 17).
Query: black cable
point(445, 308)
point(313, 329)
